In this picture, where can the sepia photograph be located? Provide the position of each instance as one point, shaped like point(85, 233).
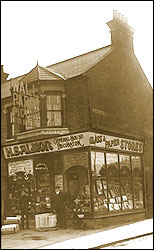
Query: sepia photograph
point(76, 124)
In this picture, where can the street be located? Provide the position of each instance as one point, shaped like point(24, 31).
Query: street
point(145, 242)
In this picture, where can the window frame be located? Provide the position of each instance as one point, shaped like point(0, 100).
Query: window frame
point(52, 110)
point(120, 179)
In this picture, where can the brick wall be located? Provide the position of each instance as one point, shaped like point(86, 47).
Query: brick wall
point(77, 105)
point(119, 88)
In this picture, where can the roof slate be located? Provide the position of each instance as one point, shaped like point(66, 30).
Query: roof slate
point(40, 73)
point(80, 64)
point(61, 71)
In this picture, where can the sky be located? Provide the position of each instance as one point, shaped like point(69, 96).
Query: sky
point(54, 31)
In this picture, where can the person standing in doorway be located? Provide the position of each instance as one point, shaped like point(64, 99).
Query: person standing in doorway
point(60, 202)
point(24, 208)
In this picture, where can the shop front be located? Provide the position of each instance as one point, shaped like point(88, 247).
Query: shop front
point(102, 176)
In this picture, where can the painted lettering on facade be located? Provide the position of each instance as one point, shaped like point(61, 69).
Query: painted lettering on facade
point(28, 148)
point(116, 143)
point(69, 141)
point(73, 141)
point(25, 106)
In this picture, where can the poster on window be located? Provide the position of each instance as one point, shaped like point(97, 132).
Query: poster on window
point(59, 181)
point(20, 166)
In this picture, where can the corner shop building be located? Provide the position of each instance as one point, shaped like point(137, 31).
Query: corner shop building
point(102, 153)
point(103, 173)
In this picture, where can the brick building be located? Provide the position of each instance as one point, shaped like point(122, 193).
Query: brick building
point(85, 125)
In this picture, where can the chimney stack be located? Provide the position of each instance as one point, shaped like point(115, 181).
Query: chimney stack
point(121, 32)
point(4, 76)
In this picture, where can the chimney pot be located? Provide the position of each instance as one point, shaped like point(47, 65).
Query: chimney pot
point(121, 32)
point(119, 16)
point(115, 14)
point(126, 20)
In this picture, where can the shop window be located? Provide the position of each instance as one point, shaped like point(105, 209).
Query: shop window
point(100, 196)
point(138, 193)
point(98, 167)
point(17, 182)
point(114, 195)
point(122, 187)
point(43, 198)
point(136, 166)
point(137, 175)
point(98, 164)
point(125, 169)
point(127, 195)
point(54, 110)
point(112, 165)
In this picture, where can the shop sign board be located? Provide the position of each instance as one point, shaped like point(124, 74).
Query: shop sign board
point(112, 142)
point(41, 166)
point(20, 166)
point(73, 141)
point(46, 146)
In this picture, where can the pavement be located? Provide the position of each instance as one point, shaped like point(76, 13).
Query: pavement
point(75, 239)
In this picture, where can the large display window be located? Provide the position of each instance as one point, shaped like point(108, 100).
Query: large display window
point(137, 175)
point(99, 173)
point(117, 181)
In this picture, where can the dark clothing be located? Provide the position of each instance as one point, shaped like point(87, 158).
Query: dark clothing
point(24, 207)
point(59, 204)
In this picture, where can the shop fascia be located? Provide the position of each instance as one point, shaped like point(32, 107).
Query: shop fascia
point(79, 140)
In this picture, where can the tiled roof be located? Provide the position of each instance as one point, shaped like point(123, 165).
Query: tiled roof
point(40, 73)
point(80, 64)
point(61, 71)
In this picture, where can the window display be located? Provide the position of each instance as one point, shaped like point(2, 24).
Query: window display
point(122, 187)
point(136, 166)
point(137, 182)
point(98, 163)
point(127, 196)
point(100, 199)
point(125, 169)
point(114, 195)
point(112, 165)
point(43, 196)
point(17, 182)
point(138, 193)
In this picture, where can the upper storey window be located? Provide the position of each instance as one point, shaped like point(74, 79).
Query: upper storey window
point(32, 109)
point(54, 111)
point(32, 117)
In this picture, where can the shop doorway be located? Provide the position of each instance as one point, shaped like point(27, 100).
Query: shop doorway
point(77, 188)
point(76, 179)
